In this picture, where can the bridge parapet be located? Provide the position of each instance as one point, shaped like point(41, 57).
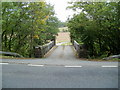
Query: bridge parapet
point(40, 51)
point(80, 49)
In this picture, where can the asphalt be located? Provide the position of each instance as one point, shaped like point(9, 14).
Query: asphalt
point(61, 69)
point(22, 76)
point(62, 55)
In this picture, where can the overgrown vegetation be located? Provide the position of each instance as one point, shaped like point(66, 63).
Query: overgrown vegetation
point(27, 24)
point(97, 26)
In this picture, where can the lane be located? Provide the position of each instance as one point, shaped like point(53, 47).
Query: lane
point(62, 55)
point(61, 62)
point(59, 70)
point(22, 76)
point(49, 65)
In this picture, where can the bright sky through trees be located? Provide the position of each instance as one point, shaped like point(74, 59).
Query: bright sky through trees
point(60, 9)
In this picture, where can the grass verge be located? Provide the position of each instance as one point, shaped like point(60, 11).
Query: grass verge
point(111, 60)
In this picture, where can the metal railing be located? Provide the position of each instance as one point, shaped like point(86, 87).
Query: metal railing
point(10, 54)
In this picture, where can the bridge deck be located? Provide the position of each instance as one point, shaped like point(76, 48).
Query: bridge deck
point(63, 53)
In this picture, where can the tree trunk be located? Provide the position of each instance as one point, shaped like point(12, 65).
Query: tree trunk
point(9, 46)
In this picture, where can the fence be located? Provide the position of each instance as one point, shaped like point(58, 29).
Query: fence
point(80, 49)
point(40, 51)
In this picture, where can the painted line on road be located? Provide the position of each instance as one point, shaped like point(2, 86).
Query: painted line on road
point(109, 66)
point(4, 63)
point(73, 66)
point(35, 65)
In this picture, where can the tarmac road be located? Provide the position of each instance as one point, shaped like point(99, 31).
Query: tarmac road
point(61, 69)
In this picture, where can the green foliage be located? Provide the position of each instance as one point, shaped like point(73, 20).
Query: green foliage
point(62, 24)
point(25, 25)
point(52, 28)
point(97, 26)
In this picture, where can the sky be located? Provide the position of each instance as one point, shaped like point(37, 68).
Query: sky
point(60, 9)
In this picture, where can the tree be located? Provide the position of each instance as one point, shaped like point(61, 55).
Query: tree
point(97, 26)
point(25, 25)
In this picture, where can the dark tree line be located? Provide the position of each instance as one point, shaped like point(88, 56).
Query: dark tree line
point(97, 26)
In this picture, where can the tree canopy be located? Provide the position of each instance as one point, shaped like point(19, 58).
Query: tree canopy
point(27, 24)
point(97, 26)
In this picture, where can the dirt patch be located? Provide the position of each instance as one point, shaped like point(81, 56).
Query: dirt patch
point(63, 37)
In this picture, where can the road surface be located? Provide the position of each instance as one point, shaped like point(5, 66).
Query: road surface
point(61, 69)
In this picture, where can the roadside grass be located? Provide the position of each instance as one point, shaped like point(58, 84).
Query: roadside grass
point(96, 59)
point(85, 59)
point(61, 41)
point(104, 56)
point(114, 60)
point(69, 43)
point(12, 57)
point(100, 58)
point(7, 57)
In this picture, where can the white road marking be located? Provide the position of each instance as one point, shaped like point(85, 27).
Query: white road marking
point(3, 63)
point(35, 65)
point(109, 66)
point(72, 66)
